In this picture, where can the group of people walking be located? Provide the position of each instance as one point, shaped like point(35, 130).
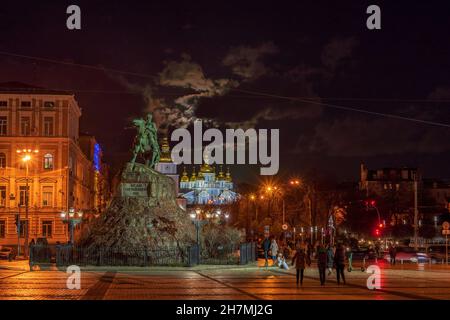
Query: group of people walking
point(327, 258)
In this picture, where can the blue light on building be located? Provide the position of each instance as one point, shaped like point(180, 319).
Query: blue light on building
point(97, 151)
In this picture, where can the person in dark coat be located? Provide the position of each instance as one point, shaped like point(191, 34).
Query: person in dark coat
point(392, 254)
point(299, 260)
point(321, 255)
point(266, 248)
point(339, 262)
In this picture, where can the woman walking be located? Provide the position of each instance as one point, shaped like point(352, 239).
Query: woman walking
point(274, 251)
point(300, 262)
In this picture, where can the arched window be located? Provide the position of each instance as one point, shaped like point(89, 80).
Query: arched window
point(48, 161)
point(2, 160)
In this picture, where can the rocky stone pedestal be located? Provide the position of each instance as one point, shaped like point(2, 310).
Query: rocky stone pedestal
point(142, 214)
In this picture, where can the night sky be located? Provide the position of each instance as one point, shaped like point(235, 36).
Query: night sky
point(191, 59)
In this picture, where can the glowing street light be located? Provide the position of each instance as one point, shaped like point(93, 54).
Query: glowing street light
point(72, 219)
point(26, 158)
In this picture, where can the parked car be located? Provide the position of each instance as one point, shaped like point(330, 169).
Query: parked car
point(7, 253)
point(408, 254)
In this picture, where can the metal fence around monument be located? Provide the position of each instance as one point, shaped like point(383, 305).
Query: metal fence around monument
point(72, 255)
point(65, 255)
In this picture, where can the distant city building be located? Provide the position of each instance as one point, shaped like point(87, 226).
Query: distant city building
point(65, 172)
point(382, 181)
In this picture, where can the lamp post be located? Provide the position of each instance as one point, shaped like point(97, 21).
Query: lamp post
point(72, 219)
point(26, 157)
point(198, 223)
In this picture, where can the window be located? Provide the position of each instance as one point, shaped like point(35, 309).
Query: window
point(23, 227)
point(2, 160)
point(3, 103)
point(3, 126)
point(49, 104)
point(48, 126)
point(48, 161)
point(47, 227)
point(25, 104)
point(22, 195)
point(2, 228)
point(2, 196)
point(25, 123)
point(47, 196)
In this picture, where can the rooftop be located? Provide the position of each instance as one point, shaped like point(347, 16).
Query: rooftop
point(24, 88)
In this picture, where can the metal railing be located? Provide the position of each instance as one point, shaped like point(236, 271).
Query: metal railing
point(65, 255)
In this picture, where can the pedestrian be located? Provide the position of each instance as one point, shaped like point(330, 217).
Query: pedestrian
point(308, 253)
point(339, 262)
point(330, 259)
point(274, 251)
point(321, 255)
point(286, 252)
point(392, 254)
point(266, 247)
point(300, 261)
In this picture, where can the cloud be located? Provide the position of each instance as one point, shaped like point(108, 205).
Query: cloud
point(336, 50)
point(356, 136)
point(247, 62)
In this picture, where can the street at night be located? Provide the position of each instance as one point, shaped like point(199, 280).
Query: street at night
point(403, 282)
point(269, 156)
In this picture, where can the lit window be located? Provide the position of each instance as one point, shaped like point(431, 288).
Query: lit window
point(48, 161)
point(2, 160)
point(47, 196)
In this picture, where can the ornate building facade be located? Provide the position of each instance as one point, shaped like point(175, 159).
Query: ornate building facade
point(207, 187)
point(204, 187)
point(44, 125)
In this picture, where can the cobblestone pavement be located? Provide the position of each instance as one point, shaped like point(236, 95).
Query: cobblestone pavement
point(399, 282)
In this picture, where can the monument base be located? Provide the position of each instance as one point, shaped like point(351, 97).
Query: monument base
point(142, 214)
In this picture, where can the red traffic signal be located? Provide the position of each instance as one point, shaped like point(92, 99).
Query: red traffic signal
point(377, 232)
point(381, 225)
point(372, 203)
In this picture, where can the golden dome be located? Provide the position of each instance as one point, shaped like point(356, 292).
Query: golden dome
point(206, 168)
point(193, 176)
point(184, 177)
point(165, 151)
point(200, 176)
point(228, 177)
point(221, 175)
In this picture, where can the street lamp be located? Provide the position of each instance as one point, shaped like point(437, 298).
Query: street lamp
point(72, 219)
point(26, 157)
point(198, 223)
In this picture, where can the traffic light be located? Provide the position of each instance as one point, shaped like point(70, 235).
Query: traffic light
point(381, 225)
point(372, 203)
point(377, 232)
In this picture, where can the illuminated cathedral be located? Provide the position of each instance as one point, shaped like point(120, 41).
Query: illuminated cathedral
point(202, 186)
